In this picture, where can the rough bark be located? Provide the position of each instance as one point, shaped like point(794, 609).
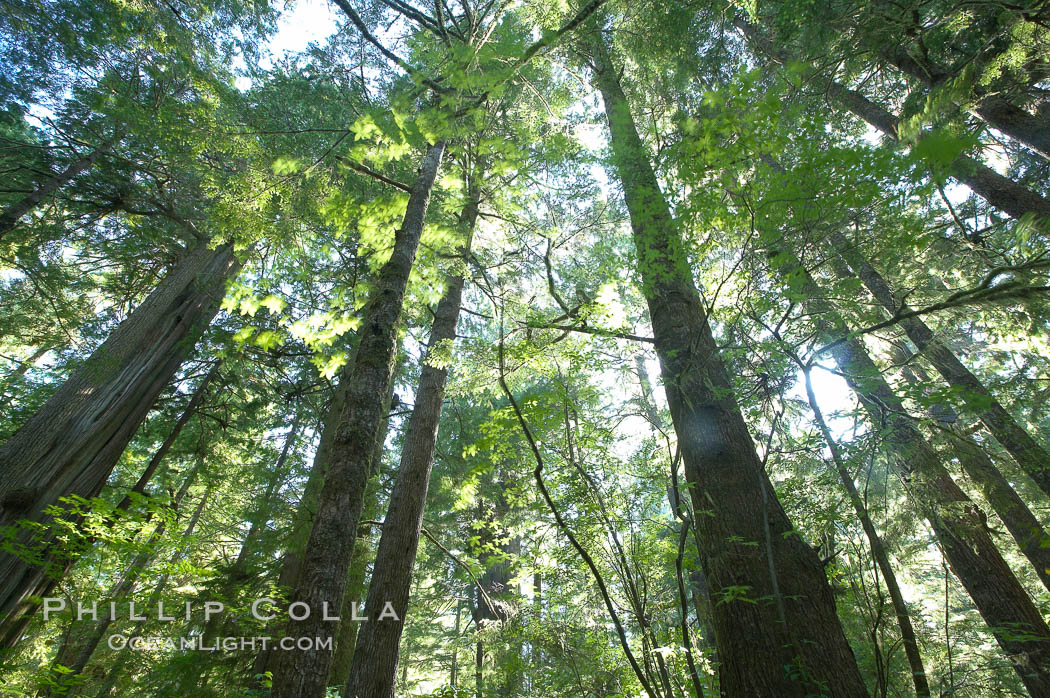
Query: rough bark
point(374, 667)
point(1029, 454)
point(785, 638)
point(878, 550)
point(1001, 192)
point(322, 580)
point(346, 638)
point(69, 447)
point(15, 212)
point(959, 526)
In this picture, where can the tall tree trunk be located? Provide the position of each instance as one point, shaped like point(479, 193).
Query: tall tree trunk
point(374, 667)
point(959, 525)
point(1030, 455)
point(346, 638)
point(748, 544)
point(878, 550)
point(322, 582)
point(1027, 531)
point(12, 214)
point(69, 447)
point(1002, 192)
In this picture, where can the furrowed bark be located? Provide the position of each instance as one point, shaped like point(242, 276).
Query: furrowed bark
point(364, 552)
point(69, 447)
point(878, 550)
point(959, 526)
point(758, 646)
point(1033, 459)
point(374, 667)
point(322, 582)
point(1001, 192)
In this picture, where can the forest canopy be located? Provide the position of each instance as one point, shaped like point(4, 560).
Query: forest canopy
point(378, 348)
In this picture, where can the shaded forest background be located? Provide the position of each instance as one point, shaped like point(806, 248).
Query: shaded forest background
point(622, 348)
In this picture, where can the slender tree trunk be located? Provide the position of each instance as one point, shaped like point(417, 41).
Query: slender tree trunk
point(991, 107)
point(74, 656)
point(878, 550)
point(959, 525)
point(748, 545)
point(1030, 455)
point(322, 582)
point(454, 671)
point(479, 667)
point(1002, 192)
point(187, 414)
point(116, 670)
point(1027, 531)
point(11, 215)
point(69, 447)
point(20, 372)
point(375, 659)
point(685, 526)
point(193, 681)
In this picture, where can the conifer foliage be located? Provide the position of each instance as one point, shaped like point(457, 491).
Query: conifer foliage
point(453, 348)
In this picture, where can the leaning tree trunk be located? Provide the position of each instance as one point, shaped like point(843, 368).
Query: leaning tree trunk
point(115, 670)
point(989, 105)
point(322, 580)
point(140, 485)
point(374, 667)
point(69, 447)
point(878, 549)
point(1027, 531)
point(783, 637)
point(1019, 520)
point(1001, 192)
point(959, 526)
point(1029, 454)
point(74, 656)
point(10, 216)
